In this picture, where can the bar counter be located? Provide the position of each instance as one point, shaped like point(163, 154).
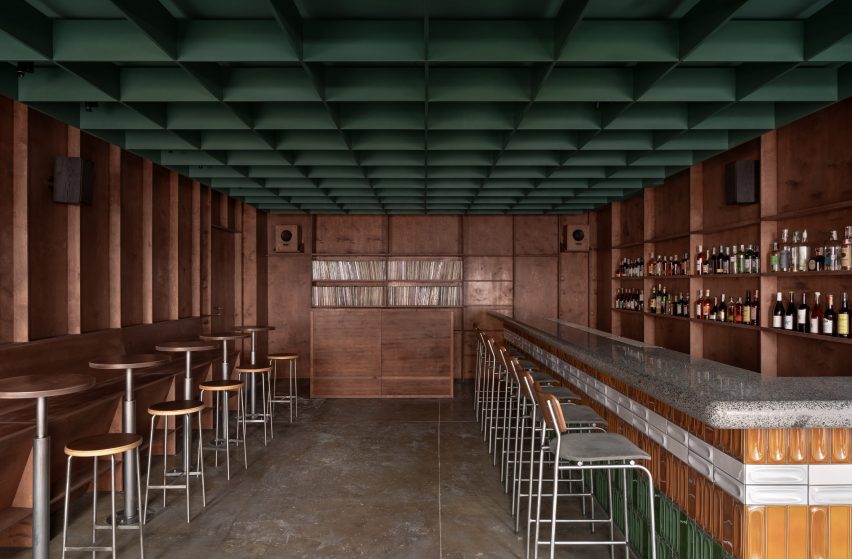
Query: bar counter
point(745, 466)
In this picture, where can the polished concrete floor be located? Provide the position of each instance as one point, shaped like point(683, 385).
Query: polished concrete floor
point(352, 478)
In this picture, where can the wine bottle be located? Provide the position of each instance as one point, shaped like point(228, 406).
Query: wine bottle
point(802, 314)
point(721, 310)
point(699, 306)
point(829, 318)
point(774, 258)
point(846, 250)
point(816, 315)
point(747, 308)
point(714, 310)
point(843, 317)
point(790, 314)
point(707, 304)
point(778, 312)
point(739, 311)
point(699, 261)
point(731, 312)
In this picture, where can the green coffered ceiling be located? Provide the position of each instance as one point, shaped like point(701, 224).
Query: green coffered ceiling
point(430, 106)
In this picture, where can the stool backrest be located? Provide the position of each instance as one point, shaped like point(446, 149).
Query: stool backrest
point(504, 357)
point(551, 411)
point(528, 385)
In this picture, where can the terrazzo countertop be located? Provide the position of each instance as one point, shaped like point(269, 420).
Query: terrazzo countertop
point(719, 395)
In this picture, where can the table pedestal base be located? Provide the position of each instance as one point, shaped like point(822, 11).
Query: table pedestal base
point(41, 497)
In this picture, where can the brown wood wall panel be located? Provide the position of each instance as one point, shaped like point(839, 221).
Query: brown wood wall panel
point(416, 387)
point(488, 268)
point(6, 219)
point(536, 235)
point(160, 243)
point(488, 235)
point(670, 213)
point(94, 240)
point(131, 239)
point(536, 281)
point(424, 235)
point(184, 225)
point(716, 212)
point(416, 344)
point(480, 317)
point(489, 293)
point(816, 171)
point(630, 226)
point(346, 343)
point(350, 234)
point(47, 247)
point(574, 287)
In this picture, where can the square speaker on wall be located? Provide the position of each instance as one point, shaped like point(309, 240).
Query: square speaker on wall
point(288, 238)
point(73, 180)
point(742, 182)
point(575, 238)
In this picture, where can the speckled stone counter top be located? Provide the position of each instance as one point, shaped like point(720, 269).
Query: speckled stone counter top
point(719, 395)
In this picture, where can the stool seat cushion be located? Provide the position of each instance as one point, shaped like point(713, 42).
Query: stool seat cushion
point(561, 392)
point(597, 447)
point(260, 366)
point(538, 376)
point(581, 415)
point(103, 445)
point(176, 407)
point(221, 385)
point(283, 356)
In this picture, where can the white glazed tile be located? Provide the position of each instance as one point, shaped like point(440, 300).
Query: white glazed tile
point(657, 420)
point(676, 433)
point(700, 465)
point(677, 449)
point(830, 474)
point(830, 495)
point(776, 495)
point(771, 474)
point(729, 485)
point(730, 465)
point(700, 448)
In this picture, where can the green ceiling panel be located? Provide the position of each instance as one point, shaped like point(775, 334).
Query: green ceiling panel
point(515, 107)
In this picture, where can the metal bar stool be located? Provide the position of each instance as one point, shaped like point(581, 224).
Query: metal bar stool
point(479, 369)
point(582, 452)
point(111, 444)
point(174, 409)
point(263, 369)
point(220, 390)
point(292, 397)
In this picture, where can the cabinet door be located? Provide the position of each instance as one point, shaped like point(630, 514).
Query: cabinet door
point(417, 353)
point(346, 353)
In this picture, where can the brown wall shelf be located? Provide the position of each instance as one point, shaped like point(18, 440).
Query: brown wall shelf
point(808, 336)
point(751, 327)
point(667, 316)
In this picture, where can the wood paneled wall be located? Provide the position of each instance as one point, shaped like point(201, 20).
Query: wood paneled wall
point(140, 253)
point(512, 265)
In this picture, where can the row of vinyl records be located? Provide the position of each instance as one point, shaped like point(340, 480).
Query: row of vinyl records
point(380, 270)
point(378, 296)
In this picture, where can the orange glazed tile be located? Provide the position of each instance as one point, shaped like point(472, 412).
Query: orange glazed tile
point(797, 532)
point(737, 526)
point(755, 532)
point(838, 529)
point(819, 446)
point(819, 533)
point(776, 531)
point(756, 446)
point(777, 439)
point(797, 446)
point(839, 446)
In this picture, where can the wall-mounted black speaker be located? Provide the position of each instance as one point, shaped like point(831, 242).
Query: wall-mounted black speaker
point(73, 180)
point(742, 182)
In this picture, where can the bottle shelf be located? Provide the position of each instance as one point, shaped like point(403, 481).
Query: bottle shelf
point(667, 316)
point(725, 276)
point(627, 311)
point(752, 327)
point(812, 337)
point(823, 274)
point(667, 278)
point(640, 278)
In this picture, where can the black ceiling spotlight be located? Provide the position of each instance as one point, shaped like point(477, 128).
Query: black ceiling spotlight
point(24, 68)
point(89, 105)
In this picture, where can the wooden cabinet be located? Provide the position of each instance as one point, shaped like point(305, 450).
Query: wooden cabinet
point(374, 353)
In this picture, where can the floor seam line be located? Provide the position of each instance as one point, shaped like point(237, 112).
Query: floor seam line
point(440, 515)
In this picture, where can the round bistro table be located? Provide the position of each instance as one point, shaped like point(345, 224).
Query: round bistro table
point(252, 392)
point(128, 364)
point(224, 337)
point(40, 388)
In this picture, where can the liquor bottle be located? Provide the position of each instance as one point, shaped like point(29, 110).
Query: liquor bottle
point(705, 309)
point(829, 318)
point(747, 308)
point(731, 312)
point(740, 267)
point(831, 254)
point(749, 254)
point(846, 250)
point(699, 261)
point(794, 253)
point(726, 261)
point(774, 258)
point(755, 259)
point(721, 310)
point(650, 270)
point(705, 266)
point(714, 310)
point(843, 317)
point(816, 263)
point(790, 314)
point(785, 256)
point(684, 264)
point(755, 308)
point(699, 305)
point(802, 314)
point(816, 315)
point(739, 311)
point(804, 252)
point(778, 312)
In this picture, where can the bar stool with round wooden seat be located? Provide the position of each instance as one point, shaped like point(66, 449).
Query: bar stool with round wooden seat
point(248, 373)
point(220, 390)
point(97, 446)
point(165, 410)
point(292, 397)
